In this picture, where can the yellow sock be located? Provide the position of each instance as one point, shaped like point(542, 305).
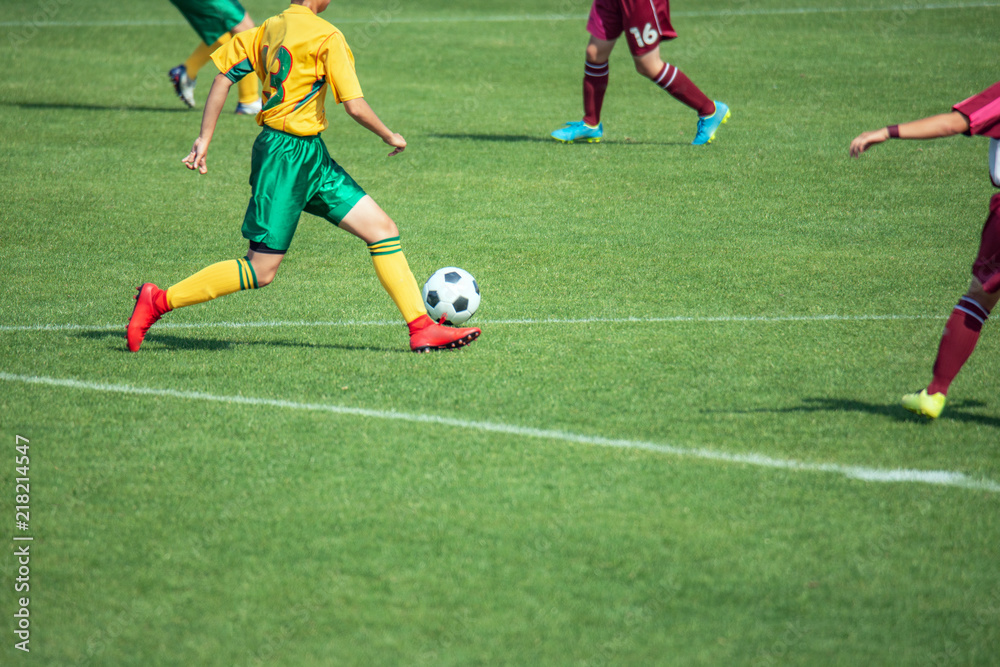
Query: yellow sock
point(394, 273)
point(201, 55)
point(247, 89)
point(213, 281)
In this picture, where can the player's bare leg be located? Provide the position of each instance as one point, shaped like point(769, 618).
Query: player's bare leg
point(265, 266)
point(372, 225)
point(595, 83)
point(369, 222)
point(978, 293)
point(246, 23)
point(599, 50)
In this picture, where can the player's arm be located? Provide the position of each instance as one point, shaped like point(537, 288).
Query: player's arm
point(360, 111)
point(235, 60)
point(932, 127)
point(213, 108)
point(338, 65)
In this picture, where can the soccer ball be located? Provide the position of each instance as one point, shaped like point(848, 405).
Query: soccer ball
point(451, 292)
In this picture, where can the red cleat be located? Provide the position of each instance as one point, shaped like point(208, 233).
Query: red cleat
point(427, 335)
point(150, 304)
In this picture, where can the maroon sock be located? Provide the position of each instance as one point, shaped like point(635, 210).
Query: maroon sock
point(595, 82)
point(961, 334)
point(677, 84)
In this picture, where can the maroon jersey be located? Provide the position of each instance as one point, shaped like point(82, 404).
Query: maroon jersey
point(983, 112)
point(646, 22)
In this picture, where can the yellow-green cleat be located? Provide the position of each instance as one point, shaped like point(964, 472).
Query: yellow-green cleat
point(928, 405)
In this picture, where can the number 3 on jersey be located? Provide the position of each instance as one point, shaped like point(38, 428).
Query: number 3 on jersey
point(283, 60)
point(647, 37)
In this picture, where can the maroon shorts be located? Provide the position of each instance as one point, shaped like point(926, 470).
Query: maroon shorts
point(646, 22)
point(987, 264)
point(983, 112)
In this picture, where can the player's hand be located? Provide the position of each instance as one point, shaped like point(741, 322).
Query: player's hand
point(396, 141)
point(196, 158)
point(864, 141)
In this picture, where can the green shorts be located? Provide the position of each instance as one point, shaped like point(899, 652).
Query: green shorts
point(288, 175)
point(211, 18)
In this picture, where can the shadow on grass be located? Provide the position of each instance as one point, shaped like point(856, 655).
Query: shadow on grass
point(93, 107)
point(524, 138)
point(953, 412)
point(168, 343)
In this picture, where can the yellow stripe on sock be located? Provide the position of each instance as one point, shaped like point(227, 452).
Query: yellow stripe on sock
point(252, 275)
point(245, 281)
point(385, 246)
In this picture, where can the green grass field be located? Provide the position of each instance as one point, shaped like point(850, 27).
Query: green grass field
point(669, 443)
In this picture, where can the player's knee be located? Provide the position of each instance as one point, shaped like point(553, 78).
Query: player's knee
point(264, 272)
point(595, 56)
point(985, 299)
point(384, 228)
point(246, 23)
point(266, 277)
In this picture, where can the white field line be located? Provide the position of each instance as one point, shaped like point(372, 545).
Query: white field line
point(936, 477)
point(522, 18)
point(738, 319)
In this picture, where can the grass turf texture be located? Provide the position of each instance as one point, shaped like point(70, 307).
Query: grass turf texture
point(176, 531)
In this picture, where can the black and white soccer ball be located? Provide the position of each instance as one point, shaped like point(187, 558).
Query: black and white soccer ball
point(453, 293)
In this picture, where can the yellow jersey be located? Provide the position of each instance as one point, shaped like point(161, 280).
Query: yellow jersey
point(296, 55)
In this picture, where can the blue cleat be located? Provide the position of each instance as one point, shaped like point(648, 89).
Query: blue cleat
point(579, 131)
point(709, 124)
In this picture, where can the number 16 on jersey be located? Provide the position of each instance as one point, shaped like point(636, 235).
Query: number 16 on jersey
point(647, 37)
